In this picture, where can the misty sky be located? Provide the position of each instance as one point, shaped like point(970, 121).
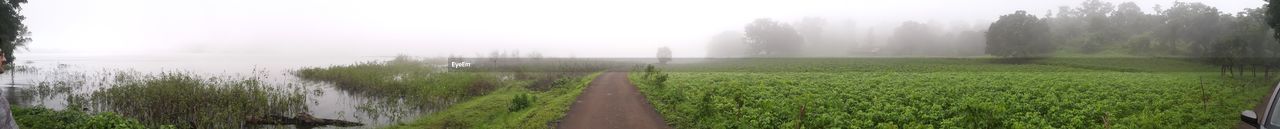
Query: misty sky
point(582, 28)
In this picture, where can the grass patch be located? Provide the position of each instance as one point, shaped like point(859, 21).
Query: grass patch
point(494, 110)
point(189, 101)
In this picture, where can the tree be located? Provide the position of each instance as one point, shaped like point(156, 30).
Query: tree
point(664, 55)
point(1191, 28)
point(970, 43)
point(871, 40)
point(1129, 18)
point(726, 44)
point(1099, 28)
point(1018, 35)
point(811, 29)
point(1248, 43)
point(13, 33)
point(1273, 16)
point(913, 38)
point(770, 38)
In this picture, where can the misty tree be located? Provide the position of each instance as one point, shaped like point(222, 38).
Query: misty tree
point(811, 29)
point(1098, 30)
point(970, 43)
point(1190, 28)
point(535, 55)
point(913, 38)
point(13, 33)
point(727, 44)
point(770, 38)
point(1249, 43)
point(871, 40)
point(664, 55)
point(1018, 35)
point(1273, 16)
point(1130, 20)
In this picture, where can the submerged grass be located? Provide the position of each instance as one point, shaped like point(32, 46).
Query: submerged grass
point(405, 79)
point(189, 101)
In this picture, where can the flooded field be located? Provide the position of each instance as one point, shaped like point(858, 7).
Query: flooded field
point(48, 80)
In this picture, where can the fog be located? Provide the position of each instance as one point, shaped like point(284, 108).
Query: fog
point(555, 28)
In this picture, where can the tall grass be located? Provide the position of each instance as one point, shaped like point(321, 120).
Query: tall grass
point(190, 101)
point(405, 79)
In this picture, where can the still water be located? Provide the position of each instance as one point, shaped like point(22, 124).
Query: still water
point(324, 101)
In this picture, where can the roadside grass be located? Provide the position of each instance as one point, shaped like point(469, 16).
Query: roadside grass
point(493, 110)
point(186, 100)
point(950, 93)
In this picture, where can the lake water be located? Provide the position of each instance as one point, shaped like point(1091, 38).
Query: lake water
point(324, 101)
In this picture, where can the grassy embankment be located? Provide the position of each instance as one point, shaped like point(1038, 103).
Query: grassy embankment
point(947, 93)
point(495, 110)
point(499, 94)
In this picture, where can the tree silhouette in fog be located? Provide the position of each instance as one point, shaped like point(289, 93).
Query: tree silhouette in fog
point(1018, 35)
point(770, 38)
point(726, 44)
point(810, 28)
point(664, 55)
point(913, 39)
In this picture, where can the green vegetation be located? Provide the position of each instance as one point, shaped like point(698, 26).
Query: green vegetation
point(521, 101)
point(493, 93)
point(414, 80)
point(189, 101)
point(949, 93)
point(13, 33)
point(495, 110)
point(43, 118)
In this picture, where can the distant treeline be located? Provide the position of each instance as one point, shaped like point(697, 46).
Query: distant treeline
point(1185, 29)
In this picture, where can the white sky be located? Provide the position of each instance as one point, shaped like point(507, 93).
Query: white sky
point(583, 28)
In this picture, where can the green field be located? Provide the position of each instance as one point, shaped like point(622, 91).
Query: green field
point(950, 93)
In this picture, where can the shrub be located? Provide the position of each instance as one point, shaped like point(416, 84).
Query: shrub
point(521, 101)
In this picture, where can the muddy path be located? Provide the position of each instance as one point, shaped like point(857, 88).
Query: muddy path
point(611, 102)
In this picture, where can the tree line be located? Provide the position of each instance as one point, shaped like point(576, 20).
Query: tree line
point(1237, 42)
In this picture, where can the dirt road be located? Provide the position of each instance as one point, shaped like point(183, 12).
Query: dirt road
point(611, 102)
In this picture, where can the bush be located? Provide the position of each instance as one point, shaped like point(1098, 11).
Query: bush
point(655, 76)
point(521, 101)
point(660, 80)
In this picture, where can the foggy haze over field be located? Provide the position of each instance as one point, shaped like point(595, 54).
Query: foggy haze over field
point(558, 28)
